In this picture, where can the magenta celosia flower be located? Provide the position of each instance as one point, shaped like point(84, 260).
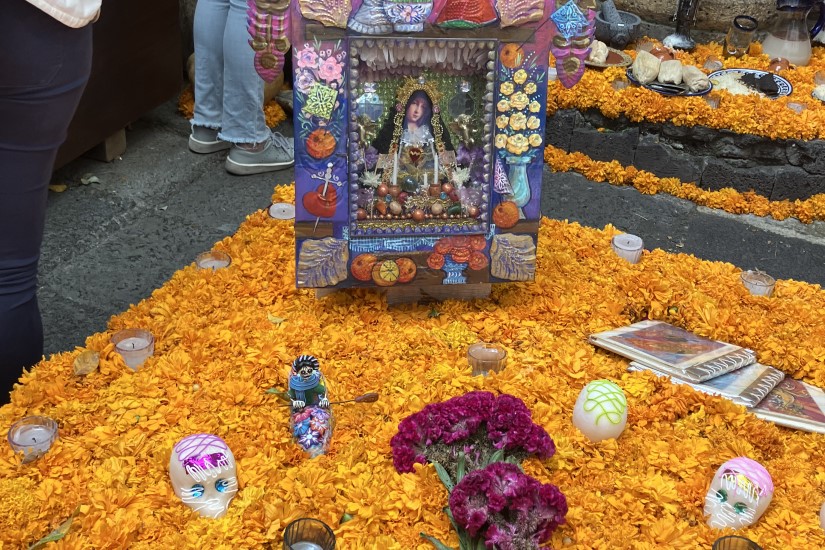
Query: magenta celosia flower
point(509, 508)
point(476, 423)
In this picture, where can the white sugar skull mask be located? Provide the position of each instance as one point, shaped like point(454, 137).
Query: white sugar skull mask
point(739, 494)
point(203, 474)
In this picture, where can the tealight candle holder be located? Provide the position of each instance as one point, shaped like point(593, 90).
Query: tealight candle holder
point(732, 542)
point(619, 84)
point(282, 211)
point(214, 259)
point(485, 358)
point(308, 534)
point(33, 436)
point(135, 345)
point(758, 282)
point(627, 246)
point(819, 78)
point(552, 74)
point(712, 101)
point(713, 63)
point(796, 107)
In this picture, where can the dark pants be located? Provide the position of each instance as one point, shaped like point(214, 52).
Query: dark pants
point(44, 66)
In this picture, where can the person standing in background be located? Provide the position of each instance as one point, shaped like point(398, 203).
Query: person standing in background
point(45, 63)
point(229, 94)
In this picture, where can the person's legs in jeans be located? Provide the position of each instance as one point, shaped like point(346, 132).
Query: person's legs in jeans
point(243, 98)
point(209, 26)
point(255, 149)
point(45, 66)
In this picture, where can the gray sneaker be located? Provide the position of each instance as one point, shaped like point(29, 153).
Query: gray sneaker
point(205, 140)
point(276, 155)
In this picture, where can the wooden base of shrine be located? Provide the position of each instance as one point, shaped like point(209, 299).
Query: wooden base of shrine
point(425, 294)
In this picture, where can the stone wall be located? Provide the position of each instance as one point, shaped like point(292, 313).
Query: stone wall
point(713, 159)
point(714, 15)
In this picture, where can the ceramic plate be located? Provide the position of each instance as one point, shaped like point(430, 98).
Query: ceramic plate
point(615, 58)
point(784, 86)
point(668, 89)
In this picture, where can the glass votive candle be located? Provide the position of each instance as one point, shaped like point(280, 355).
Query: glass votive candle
point(485, 358)
point(819, 78)
point(282, 211)
point(713, 63)
point(712, 101)
point(135, 345)
point(619, 84)
point(627, 246)
point(32, 436)
point(758, 282)
point(796, 107)
point(308, 534)
point(214, 259)
point(732, 542)
point(552, 74)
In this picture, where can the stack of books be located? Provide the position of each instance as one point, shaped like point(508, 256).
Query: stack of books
point(718, 368)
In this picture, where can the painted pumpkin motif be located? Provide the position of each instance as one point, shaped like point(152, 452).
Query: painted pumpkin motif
point(511, 55)
point(320, 144)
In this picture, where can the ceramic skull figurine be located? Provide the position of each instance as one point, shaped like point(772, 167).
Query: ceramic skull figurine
point(203, 474)
point(739, 494)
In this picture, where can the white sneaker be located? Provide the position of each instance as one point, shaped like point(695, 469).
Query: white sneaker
point(277, 154)
point(205, 140)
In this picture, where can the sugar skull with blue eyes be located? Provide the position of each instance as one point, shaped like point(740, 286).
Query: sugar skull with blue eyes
point(203, 474)
point(739, 494)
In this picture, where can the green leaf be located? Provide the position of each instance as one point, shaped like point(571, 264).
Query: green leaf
point(444, 477)
point(57, 534)
point(433, 313)
point(460, 466)
point(464, 540)
point(435, 542)
point(280, 394)
point(345, 518)
point(275, 320)
point(497, 456)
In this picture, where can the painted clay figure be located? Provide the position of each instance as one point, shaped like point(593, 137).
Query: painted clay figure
point(311, 420)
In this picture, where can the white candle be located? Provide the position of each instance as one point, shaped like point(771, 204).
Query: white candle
point(628, 246)
point(305, 545)
point(435, 162)
point(426, 175)
point(758, 282)
point(394, 169)
point(213, 260)
point(135, 346)
point(282, 211)
point(484, 358)
point(33, 436)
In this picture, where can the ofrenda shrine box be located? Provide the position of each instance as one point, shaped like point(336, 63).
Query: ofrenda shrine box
point(419, 133)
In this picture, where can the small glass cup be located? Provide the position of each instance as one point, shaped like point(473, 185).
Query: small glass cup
point(713, 63)
point(214, 259)
point(740, 35)
point(619, 84)
point(485, 358)
point(758, 282)
point(33, 436)
point(552, 74)
point(135, 345)
point(629, 247)
point(732, 542)
point(796, 107)
point(712, 100)
point(308, 534)
point(819, 78)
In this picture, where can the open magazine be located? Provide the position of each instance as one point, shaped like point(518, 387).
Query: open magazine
point(674, 350)
point(746, 386)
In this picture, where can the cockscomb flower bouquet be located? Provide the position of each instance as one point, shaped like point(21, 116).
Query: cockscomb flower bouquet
point(476, 442)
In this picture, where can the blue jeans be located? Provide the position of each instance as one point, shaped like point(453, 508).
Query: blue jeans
point(229, 94)
point(44, 67)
